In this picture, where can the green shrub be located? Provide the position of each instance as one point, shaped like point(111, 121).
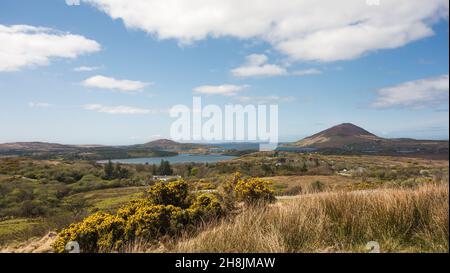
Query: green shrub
point(295, 190)
point(317, 186)
point(193, 171)
point(34, 208)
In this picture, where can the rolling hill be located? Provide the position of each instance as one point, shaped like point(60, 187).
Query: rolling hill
point(169, 145)
point(45, 150)
point(35, 147)
point(339, 136)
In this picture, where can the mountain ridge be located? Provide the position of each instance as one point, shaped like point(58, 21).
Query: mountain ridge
point(342, 138)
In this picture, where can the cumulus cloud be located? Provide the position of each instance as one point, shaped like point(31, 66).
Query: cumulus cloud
point(414, 94)
point(38, 104)
point(86, 68)
point(224, 90)
point(121, 109)
point(114, 84)
point(24, 46)
point(256, 66)
point(305, 30)
point(307, 72)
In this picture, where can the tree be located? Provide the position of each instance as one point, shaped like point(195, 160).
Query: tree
point(154, 169)
point(109, 170)
point(317, 162)
point(304, 168)
point(165, 168)
point(267, 170)
point(193, 172)
point(121, 173)
point(77, 206)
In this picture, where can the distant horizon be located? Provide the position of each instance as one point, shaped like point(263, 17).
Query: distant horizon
point(204, 142)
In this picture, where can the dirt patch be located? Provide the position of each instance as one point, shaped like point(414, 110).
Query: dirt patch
point(35, 245)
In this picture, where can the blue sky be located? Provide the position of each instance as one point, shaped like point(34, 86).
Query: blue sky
point(388, 80)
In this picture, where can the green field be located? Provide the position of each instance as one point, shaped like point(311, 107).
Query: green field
point(110, 199)
point(19, 229)
point(39, 196)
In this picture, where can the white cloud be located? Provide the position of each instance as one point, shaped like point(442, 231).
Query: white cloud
point(256, 66)
point(307, 72)
point(264, 99)
point(121, 109)
point(414, 94)
point(24, 46)
point(39, 104)
point(114, 84)
point(308, 30)
point(224, 90)
point(86, 68)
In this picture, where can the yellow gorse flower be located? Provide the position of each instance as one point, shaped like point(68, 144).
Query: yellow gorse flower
point(160, 214)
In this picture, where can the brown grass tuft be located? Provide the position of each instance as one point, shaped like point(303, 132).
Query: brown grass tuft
point(401, 220)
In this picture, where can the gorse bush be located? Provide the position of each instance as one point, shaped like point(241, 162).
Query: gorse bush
point(166, 211)
point(227, 191)
point(251, 191)
point(98, 232)
point(132, 207)
point(154, 221)
point(205, 206)
point(173, 193)
point(254, 190)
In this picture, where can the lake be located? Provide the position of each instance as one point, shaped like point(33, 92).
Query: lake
point(181, 158)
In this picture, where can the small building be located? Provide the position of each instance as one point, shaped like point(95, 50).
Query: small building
point(166, 178)
point(345, 172)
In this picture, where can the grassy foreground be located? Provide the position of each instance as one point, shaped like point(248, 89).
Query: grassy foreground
point(400, 220)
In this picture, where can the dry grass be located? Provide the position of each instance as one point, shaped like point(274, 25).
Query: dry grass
point(401, 220)
point(33, 245)
point(330, 182)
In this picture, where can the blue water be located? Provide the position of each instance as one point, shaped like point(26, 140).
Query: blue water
point(181, 158)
